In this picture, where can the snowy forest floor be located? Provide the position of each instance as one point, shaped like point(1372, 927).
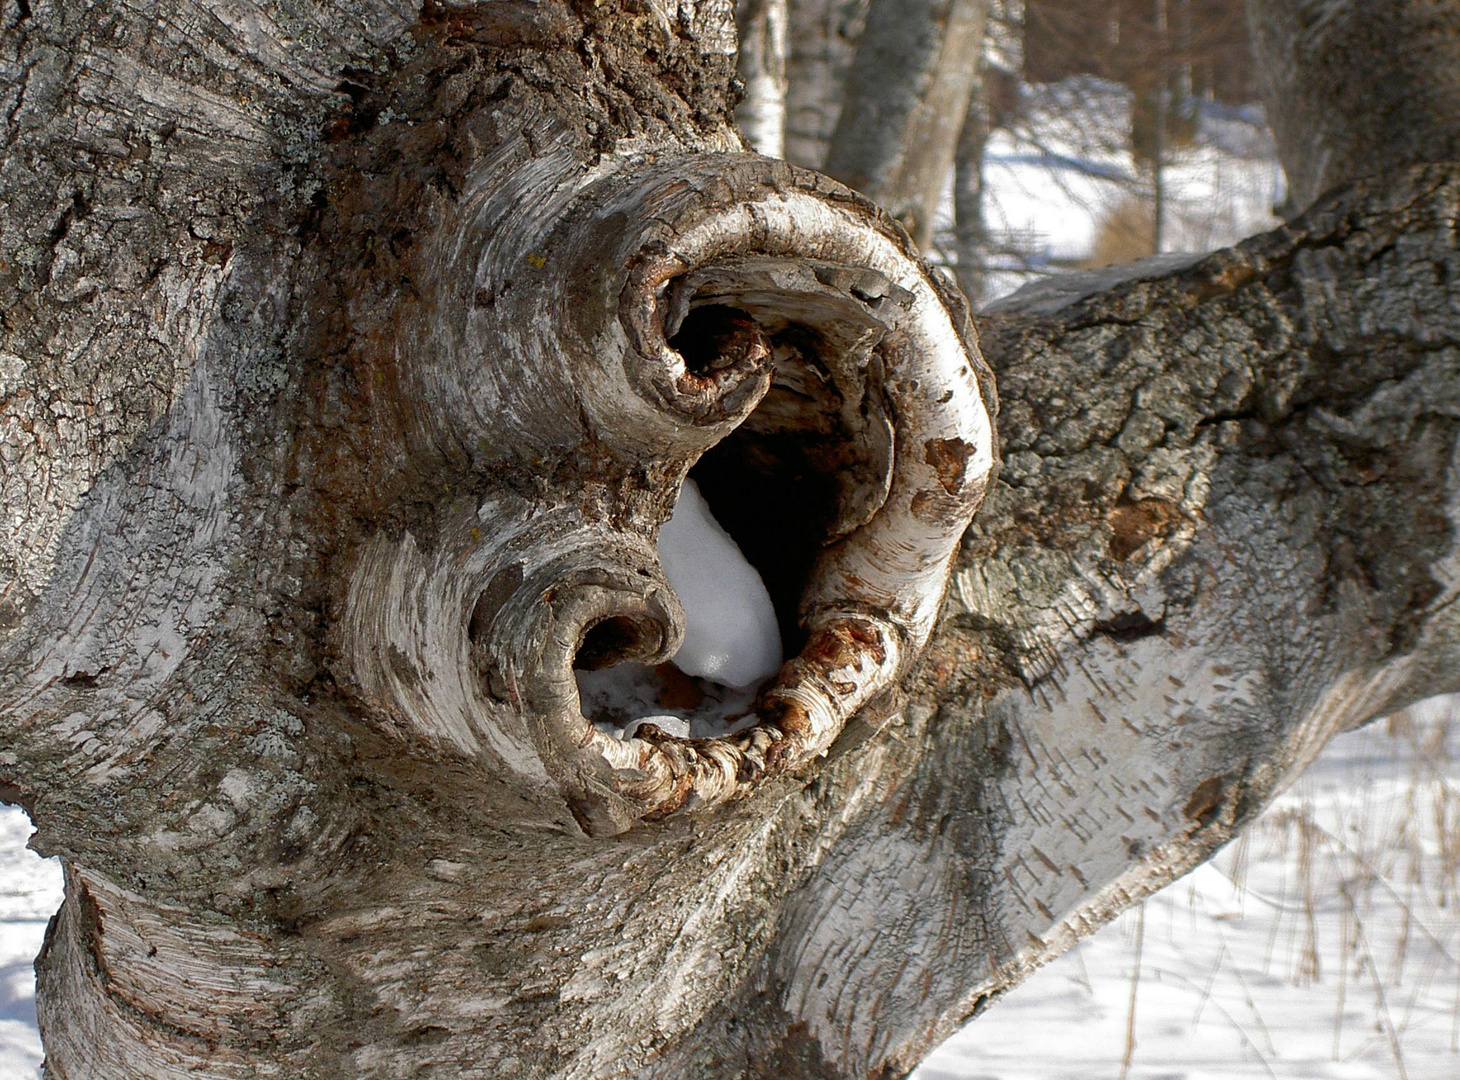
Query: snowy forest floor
point(30, 892)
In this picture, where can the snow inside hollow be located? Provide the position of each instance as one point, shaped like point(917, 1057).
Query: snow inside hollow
point(732, 643)
point(619, 699)
point(730, 634)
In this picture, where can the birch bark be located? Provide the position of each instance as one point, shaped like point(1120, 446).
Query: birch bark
point(823, 40)
point(350, 358)
point(761, 114)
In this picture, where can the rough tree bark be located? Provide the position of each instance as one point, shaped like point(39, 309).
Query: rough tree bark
point(352, 355)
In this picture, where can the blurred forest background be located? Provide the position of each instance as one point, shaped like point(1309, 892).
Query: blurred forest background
point(1017, 139)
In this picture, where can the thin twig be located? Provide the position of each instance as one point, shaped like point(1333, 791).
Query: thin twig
point(1135, 982)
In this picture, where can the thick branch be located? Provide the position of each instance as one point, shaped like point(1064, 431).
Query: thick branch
point(1357, 89)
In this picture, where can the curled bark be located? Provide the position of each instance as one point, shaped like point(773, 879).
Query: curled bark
point(708, 253)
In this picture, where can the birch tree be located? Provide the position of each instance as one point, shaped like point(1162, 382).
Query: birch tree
point(351, 357)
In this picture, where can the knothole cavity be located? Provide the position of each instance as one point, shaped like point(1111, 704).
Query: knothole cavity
point(810, 464)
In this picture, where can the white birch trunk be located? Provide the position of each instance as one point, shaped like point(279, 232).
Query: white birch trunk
point(351, 359)
point(823, 40)
point(761, 115)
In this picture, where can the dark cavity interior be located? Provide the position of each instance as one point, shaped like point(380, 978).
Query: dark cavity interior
point(766, 492)
point(779, 483)
point(802, 470)
point(715, 336)
point(609, 642)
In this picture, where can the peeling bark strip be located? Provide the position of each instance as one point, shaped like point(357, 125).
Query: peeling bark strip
point(707, 252)
point(350, 357)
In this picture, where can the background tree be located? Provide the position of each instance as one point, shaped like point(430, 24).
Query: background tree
point(992, 101)
point(761, 115)
point(352, 357)
point(879, 109)
point(823, 39)
point(1331, 131)
point(907, 90)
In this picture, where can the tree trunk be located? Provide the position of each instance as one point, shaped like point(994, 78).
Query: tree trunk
point(824, 36)
point(1357, 89)
point(970, 232)
point(761, 114)
point(907, 93)
point(992, 100)
point(351, 359)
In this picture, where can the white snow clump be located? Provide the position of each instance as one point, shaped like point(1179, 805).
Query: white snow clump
point(730, 634)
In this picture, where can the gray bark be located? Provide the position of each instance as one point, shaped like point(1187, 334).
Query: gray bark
point(351, 359)
point(823, 39)
point(907, 92)
point(970, 233)
point(1357, 89)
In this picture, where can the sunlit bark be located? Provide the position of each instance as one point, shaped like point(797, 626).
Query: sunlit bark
point(351, 357)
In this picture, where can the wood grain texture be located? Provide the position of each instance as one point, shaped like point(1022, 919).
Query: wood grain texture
point(292, 609)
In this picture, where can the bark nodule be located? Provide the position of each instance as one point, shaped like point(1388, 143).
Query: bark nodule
point(597, 388)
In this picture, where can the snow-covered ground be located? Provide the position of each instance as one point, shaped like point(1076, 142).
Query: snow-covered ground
point(1062, 188)
point(30, 891)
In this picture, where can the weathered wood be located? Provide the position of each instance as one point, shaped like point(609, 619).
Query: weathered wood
point(352, 357)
